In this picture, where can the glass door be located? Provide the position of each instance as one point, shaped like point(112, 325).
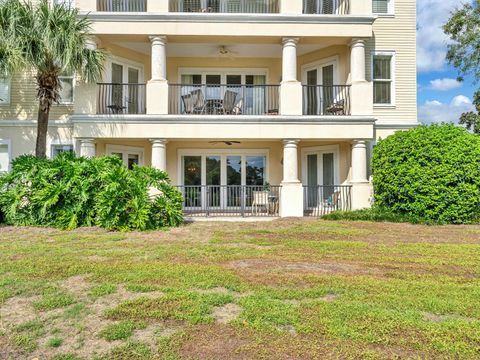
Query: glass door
point(117, 89)
point(192, 179)
point(320, 178)
point(213, 180)
point(320, 90)
point(133, 100)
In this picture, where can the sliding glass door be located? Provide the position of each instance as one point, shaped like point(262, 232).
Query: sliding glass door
point(320, 177)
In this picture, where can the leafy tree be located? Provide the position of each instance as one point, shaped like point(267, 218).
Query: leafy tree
point(463, 28)
point(50, 40)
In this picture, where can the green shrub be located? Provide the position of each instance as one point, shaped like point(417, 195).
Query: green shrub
point(429, 174)
point(375, 214)
point(69, 192)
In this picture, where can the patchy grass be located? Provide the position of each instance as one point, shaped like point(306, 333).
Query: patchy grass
point(289, 289)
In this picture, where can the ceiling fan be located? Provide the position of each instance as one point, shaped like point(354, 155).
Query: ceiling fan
point(229, 142)
point(224, 52)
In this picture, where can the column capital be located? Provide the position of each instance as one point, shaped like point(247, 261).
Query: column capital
point(357, 42)
point(359, 143)
point(158, 39)
point(290, 142)
point(91, 43)
point(290, 41)
point(158, 141)
point(87, 140)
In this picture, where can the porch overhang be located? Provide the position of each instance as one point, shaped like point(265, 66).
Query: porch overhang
point(224, 127)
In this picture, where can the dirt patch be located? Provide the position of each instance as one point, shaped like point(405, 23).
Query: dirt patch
point(227, 313)
point(302, 267)
point(17, 310)
point(442, 318)
point(76, 285)
point(216, 290)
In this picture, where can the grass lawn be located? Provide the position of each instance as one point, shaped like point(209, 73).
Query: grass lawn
point(287, 289)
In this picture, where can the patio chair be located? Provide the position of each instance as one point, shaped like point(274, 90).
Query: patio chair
point(229, 99)
point(237, 109)
point(198, 101)
point(260, 200)
point(333, 200)
point(337, 108)
point(188, 105)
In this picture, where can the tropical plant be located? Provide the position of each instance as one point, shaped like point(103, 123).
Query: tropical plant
point(49, 40)
point(429, 174)
point(69, 192)
point(463, 29)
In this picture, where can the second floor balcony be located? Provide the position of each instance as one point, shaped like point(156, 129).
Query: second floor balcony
point(310, 7)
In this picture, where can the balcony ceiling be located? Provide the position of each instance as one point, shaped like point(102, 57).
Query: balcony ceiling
point(211, 49)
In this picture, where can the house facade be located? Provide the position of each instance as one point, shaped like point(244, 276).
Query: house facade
point(253, 107)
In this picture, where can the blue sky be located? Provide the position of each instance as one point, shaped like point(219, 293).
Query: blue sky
point(440, 97)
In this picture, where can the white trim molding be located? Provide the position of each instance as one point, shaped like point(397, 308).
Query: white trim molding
point(7, 142)
point(392, 55)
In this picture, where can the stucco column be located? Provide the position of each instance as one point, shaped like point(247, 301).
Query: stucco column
point(290, 161)
point(361, 187)
point(361, 7)
point(157, 87)
point(87, 148)
point(291, 193)
point(357, 60)
point(292, 7)
point(159, 57)
point(290, 88)
point(361, 91)
point(159, 154)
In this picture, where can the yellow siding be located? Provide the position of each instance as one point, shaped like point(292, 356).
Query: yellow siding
point(398, 33)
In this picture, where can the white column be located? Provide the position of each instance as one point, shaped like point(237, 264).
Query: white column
point(357, 60)
point(361, 188)
point(87, 148)
point(159, 58)
point(361, 91)
point(289, 59)
point(290, 161)
point(291, 7)
point(291, 193)
point(291, 89)
point(159, 154)
point(157, 87)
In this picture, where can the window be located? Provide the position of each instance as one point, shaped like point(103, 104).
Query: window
point(4, 155)
point(382, 73)
point(4, 91)
point(66, 91)
point(382, 6)
point(59, 148)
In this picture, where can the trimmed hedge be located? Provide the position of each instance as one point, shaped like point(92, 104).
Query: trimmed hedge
point(69, 192)
point(429, 174)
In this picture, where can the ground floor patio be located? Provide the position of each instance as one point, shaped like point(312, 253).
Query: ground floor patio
point(255, 178)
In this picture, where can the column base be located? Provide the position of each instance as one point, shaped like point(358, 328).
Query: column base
point(362, 193)
point(157, 97)
point(291, 200)
point(291, 98)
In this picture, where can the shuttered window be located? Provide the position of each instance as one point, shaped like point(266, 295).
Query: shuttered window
point(382, 79)
point(66, 91)
point(4, 91)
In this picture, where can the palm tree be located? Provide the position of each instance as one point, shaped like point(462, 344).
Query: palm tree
point(50, 40)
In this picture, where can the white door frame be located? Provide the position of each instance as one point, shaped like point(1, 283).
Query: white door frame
point(319, 151)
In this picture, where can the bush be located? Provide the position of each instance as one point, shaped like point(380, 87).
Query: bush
point(429, 174)
point(70, 192)
point(374, 214)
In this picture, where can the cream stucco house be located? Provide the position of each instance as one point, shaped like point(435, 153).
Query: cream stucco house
point(253, 107)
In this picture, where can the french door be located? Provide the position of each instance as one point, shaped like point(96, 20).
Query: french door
point(125, 96)
point(320, 177)
point(320, 90)
point(128, 154)
point(221, 180)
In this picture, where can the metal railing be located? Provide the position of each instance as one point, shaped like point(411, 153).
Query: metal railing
point(122, 5)
point(326, 100)
point(230, 200)
point(320, 200)
point(117, 99)
point(326, 7)
point(226, 6)
point(201, 99)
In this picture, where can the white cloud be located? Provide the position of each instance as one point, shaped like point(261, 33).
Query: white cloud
point(435, 111)
point(431, 41)
point(444, 84)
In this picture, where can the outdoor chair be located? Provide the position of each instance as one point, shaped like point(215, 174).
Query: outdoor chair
point(188, 105)
point(337, 108)
point(237, 109)
point(229, 99)
point(198, 99)
point(260, 200)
